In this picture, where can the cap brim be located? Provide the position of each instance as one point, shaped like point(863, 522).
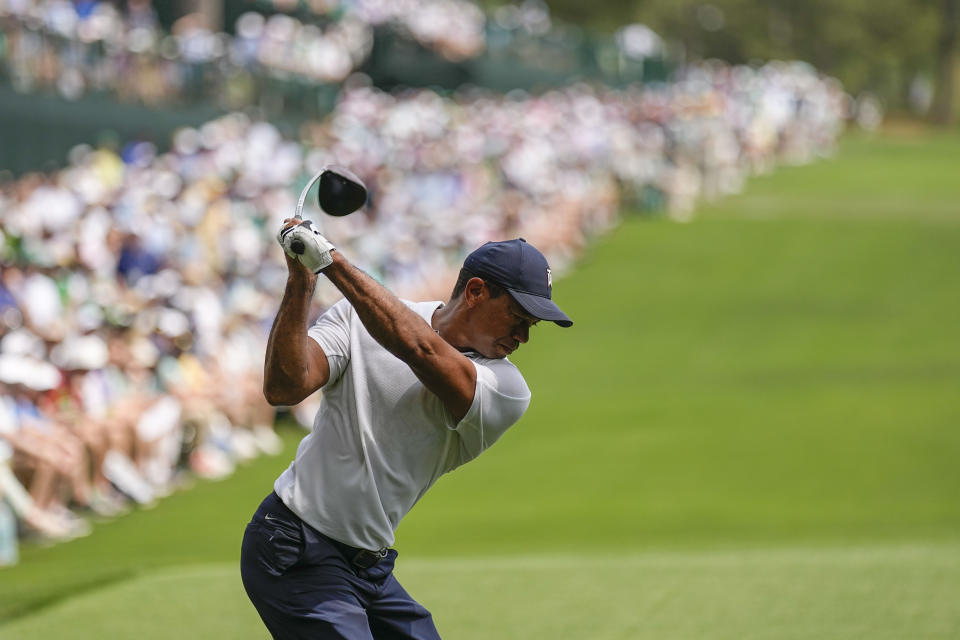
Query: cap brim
point(540, 307)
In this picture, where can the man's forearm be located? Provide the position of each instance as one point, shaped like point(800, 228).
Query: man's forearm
point(287, 362)
point(391, 323)
point(402, 332)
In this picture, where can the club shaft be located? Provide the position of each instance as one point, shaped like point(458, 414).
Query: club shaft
point(303, 194)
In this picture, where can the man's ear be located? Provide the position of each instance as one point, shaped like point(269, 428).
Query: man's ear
point(475, 291)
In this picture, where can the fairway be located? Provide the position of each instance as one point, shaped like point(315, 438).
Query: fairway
point(750, 432)
point(880, 593)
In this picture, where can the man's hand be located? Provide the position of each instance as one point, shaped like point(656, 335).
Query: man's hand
point(303, 243)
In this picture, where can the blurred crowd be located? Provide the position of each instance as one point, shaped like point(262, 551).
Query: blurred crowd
point(91, 47)
point(82, 47)
point(452, 28)
point(138, 288)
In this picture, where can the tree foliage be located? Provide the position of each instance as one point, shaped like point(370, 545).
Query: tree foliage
point(880, 46)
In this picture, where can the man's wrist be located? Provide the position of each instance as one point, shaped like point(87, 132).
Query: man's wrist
point(301, 277)
point(337, 262)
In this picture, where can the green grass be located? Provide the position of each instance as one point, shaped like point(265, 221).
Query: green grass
point(750, 432)
point(882, 594)
point(201, 525)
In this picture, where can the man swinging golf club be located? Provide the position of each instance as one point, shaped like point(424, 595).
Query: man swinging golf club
point(411, 390)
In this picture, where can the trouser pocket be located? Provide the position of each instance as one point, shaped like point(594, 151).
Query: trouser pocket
point(278, 542)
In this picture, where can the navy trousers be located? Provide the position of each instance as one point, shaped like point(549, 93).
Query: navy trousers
point(304, 584)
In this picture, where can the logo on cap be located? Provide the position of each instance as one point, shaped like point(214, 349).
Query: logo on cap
point(549, 279)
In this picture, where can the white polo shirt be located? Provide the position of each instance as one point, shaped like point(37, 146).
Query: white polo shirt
point(380, 438)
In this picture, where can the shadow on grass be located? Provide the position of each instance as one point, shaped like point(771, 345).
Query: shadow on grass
point(11, 611)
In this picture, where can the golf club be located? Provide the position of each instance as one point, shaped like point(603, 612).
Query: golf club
point(340, 193)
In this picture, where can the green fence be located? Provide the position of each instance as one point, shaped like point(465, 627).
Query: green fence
point(37, 130)
point(510, 62)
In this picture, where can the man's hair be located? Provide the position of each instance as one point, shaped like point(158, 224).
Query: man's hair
point(495, 290)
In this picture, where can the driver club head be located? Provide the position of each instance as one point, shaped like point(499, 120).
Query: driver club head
point(340, 191)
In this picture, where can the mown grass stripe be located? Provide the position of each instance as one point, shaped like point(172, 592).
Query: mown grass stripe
point(872, 591)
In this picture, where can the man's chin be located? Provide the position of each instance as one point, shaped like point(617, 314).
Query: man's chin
point(497, 352)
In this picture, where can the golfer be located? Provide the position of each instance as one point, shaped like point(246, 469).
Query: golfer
point(411, 390)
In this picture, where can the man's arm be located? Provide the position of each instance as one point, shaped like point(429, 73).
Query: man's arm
point(441, 368)
point(295, 366)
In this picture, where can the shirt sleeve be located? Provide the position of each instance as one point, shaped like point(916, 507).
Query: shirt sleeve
point(332, 332)
point(500, 399)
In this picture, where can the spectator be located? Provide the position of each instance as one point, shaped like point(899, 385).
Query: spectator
point(133, 286)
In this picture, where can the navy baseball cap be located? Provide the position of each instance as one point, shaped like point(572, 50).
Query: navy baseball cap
point(521, 269)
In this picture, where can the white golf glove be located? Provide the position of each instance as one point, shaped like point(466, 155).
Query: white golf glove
point(306, 245)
